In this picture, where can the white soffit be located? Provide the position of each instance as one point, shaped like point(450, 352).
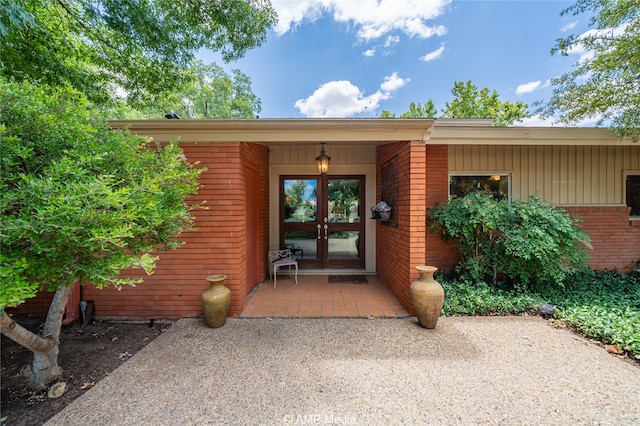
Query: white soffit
point(444, 134)
point(372, 131)
point(282, 131)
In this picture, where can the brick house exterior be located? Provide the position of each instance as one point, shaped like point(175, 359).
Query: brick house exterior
point(581, 170)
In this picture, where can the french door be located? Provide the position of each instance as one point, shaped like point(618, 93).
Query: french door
point(322, 220)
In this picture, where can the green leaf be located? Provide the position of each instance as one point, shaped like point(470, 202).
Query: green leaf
point(81, 202)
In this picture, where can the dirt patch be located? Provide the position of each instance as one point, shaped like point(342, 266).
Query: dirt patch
point(87, 355)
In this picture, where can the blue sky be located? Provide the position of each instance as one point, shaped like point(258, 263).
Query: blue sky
point(355, 58)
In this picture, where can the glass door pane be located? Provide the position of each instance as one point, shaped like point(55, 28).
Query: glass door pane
point(302, 244)
point(344, 200)
point(300, 200)
point(321, 220)
point(299, 218)
point(345, 246)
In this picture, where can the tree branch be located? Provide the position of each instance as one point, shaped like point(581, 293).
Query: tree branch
point(24, 337)
point(89, 29)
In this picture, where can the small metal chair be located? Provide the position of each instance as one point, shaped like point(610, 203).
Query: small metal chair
point(295, 249)
point(279, 258)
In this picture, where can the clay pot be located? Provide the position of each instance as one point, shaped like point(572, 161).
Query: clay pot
point(427, 296)
point(216, 301)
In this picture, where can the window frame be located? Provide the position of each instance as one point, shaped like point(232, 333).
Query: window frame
point(486, 174)
point(627, 173)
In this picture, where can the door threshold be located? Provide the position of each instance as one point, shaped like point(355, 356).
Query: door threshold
point(334, 272)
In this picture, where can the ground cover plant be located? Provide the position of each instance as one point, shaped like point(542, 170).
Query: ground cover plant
point(603, 305)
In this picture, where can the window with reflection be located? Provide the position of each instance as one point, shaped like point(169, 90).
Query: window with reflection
point(344, 245)
point(632, 193)
point(497, 185)
point(302, 244)
point(300, 200)
point(344, 200)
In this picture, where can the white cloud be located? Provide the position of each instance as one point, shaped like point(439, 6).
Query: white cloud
point(584, 54)
point(527, 87)
point(538, 121)
point(372, 18)
point(339, 99)
point(292, 13)
point(392, 83)
point(417, 28)
point(369, 52)
point(433, 55)
point(531, 87)
point(569, 26)
point(391, 41)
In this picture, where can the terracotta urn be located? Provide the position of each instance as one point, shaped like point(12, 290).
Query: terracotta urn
point(427, 296)
point(216, 301)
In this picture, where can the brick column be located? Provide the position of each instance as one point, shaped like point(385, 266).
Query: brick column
point(400, 244)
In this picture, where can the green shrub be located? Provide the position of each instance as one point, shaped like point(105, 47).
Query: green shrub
point(525, 243)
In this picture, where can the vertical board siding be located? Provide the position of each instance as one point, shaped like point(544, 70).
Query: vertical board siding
point(561, 175)
point(300, 155)
point(587, 180)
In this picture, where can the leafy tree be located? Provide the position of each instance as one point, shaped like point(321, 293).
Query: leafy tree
point(529, 243)
point(429, 110)
point(141, 47)
point(344, 193)
point(209, 93)
point(415, 111)
point(80, 203)
point(297, 199)
point(604, 83)
point(468, 102)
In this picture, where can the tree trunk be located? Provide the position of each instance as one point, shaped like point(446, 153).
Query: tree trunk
point(46, 347)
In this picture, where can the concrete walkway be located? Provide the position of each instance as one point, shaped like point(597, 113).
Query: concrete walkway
point(469, 370)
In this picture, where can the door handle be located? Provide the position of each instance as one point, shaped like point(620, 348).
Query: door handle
point(326, 231)
point(319, 231)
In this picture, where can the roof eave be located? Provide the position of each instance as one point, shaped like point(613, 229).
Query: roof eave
point(281, 130)
point(483, 135)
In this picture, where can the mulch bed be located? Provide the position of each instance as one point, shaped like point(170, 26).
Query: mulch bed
point(87, 355)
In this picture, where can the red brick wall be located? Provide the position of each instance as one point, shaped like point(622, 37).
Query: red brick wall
point(218, 246)
point(615, 239)
point(442, 256)
point(34, 307)
point(400, 248)
point(256, 157)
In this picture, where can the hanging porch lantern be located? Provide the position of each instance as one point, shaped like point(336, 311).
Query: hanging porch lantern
point(322, 161)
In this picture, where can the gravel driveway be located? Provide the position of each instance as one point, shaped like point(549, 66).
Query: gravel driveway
point(469, 370)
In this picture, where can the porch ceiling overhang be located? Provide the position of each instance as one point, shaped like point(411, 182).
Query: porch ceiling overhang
point(282, 131)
